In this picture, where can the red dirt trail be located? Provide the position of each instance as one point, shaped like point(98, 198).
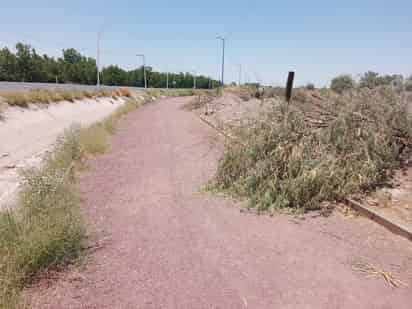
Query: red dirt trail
point(165, 245)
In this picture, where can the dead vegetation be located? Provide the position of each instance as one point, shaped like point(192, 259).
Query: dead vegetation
point(244, 93)
point(43, 96)
point(372, 271)
point(321, 147)
point(200, 101)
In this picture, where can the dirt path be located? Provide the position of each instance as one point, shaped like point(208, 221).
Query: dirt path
point(166, 246)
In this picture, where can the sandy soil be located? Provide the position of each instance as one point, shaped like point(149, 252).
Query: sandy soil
point(159, 243)
point(26, 134)
point(394, 203)
point(230, 110)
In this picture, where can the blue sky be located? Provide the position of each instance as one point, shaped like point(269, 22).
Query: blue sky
point(318, 39)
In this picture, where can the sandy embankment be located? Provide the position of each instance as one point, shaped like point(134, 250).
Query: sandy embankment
point(27, 134)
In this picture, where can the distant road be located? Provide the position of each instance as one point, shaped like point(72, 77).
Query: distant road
point(17, 86)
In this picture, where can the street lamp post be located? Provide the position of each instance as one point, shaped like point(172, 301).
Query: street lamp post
point(98, 57)
point(240, 74)
point(194, 79)
point(144, 69)
point(223, 59)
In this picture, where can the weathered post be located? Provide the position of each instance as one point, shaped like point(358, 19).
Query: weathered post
point(289, 86)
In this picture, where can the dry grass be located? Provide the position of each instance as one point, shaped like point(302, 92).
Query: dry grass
point(317, 150)
point(42, 96)
point(177, 92)
point(96, 139)
point(245, 93)
point(124, 92)
point(200, 101)
point(45, 230)
point(372, 271)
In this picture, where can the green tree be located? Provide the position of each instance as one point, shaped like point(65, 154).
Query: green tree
point(8, 65)
point(373, 79)
point(113, 75)
point(310, 86)
point(24, 62)
point(342, 82)
point(73, 67)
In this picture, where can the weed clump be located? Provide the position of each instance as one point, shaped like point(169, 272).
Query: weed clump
point(297, 157)
point(45, 229)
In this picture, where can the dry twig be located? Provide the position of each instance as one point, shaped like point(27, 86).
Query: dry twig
point(371, 271)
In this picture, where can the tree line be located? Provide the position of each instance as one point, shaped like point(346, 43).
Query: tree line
point(371, 80)
point(26, 65)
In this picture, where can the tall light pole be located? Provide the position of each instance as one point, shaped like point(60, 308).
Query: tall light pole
point(98, 57)
point(223, 59)
point(194, 79)
point(240, 74)
point(167, 79)
point(144, 69)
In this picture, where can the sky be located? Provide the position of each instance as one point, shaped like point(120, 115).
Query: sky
point(317, 39)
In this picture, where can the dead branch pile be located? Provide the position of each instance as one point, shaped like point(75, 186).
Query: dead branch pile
point(318, 149)
point(200, 101)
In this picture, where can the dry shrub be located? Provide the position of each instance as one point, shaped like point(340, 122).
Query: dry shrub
point(88, 94)
point(94, 140)
point(15, 98)
point(44, 96)
point(124, 92)
point(301, 155)
point(67, 96)
point(198, 102)
point(103, 93)
point(180, 92)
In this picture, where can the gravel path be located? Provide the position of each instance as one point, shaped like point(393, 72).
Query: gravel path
point(162, 244)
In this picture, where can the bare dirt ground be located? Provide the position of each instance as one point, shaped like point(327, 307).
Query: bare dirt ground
point(162, 244)
point(26, 134)
point(395, 203)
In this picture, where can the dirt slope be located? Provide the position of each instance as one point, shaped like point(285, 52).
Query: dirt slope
point(163, 245)
point(27, 133)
